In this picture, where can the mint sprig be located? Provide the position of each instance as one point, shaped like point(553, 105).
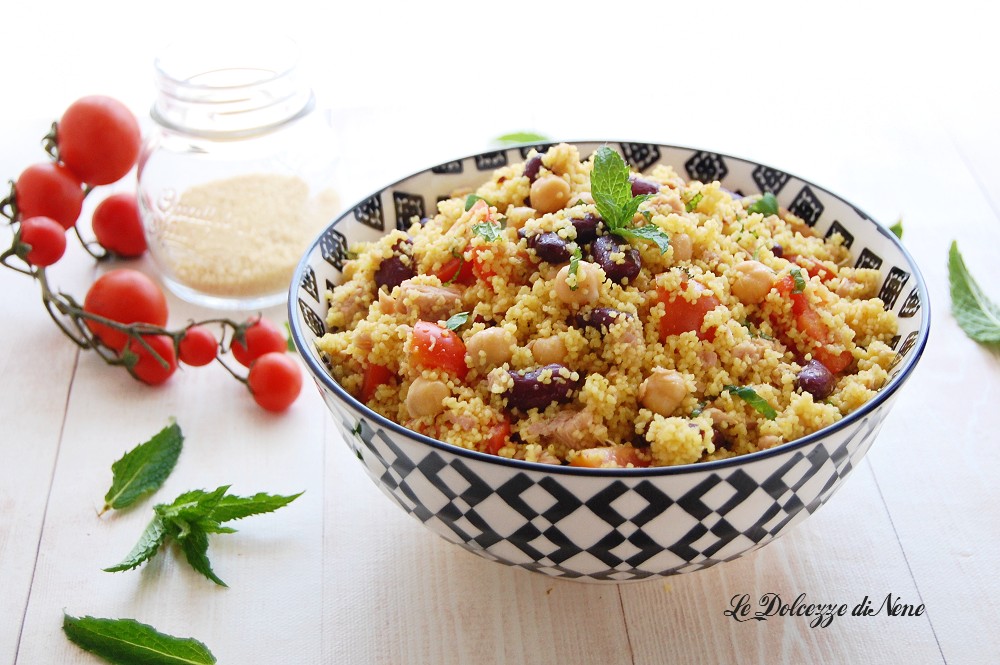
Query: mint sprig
point(128, 641)
point(191, 518)
point(612, 192)
point(144, 468)
point(766, 205)
point(897, 228)
point(975, 313)
point(514, 138)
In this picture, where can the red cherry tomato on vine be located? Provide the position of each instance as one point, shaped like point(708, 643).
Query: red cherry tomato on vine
point(198, 347)
point(275, 381)
point(261, 337)
point(98, 139)
point(148, 368)
point(125, 296)
point(49, 190)
point(47, 239)
point(117, 225)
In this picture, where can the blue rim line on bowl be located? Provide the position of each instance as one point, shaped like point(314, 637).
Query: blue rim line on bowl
point(319, 370)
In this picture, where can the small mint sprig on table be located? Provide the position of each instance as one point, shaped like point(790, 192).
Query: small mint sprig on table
point(128, 641)
point(975, 313)
point(612, 192)
point(191, 518)
point(144, 468)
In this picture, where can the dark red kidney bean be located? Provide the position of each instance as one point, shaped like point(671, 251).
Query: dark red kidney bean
point(531, 167)
point(642, 186)
point(549, 247)
point(391, 272)
point(530, 392)
point(816, 380)
point(602, 249)
point(587, 227)
point(778, 251)
point(600, 318)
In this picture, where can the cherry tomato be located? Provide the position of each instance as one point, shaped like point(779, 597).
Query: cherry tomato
point(117, 225)
point(46, 238)
point(260, 337)
point(682, 315)
point(438, 348)
point(148, 368)
point(275, 381)
point(375, 376)
point(49, 190)
point(610, 457)
point(480, 267)
point(98, 139)
point(126, 296)
point(457, 271)
point(198, 347)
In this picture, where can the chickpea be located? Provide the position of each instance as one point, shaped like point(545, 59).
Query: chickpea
point(548, 350)
point(663, 391)
point(518, 215)
point(426, 398)
point(491, 347)
point(753, 281)
point(549, 194)
point(681, 242)
point(769, 441)
point(588, 284)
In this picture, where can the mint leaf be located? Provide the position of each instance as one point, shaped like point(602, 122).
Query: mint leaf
point(610, 187)
point(195, 547)
point(693, 202)
point(800, 281)
point(289, 344)
point(975, 313)
point(750, 396)
point(237, 507)
point(150, 541)
point(897, 228)
point(456, 321)
point(128, 642)
point(144, 468)
point(574, 266)
point(649, 232)
point(471, 199)
point(521, 137)
point(766, 205)
point(488, 231)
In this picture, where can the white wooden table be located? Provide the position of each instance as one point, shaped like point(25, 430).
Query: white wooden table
point(895, 111)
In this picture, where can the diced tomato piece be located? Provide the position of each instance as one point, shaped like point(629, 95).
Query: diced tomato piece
point(682, 315)
point(457, 270)
point(610, 457)
point(499, 436)
point(375, 376)
point(480, 266)
point(435, 347)
point(808, 321)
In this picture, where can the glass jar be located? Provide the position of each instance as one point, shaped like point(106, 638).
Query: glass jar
point(236, 177)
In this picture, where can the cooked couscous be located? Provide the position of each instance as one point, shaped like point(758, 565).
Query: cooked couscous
point(571, 312)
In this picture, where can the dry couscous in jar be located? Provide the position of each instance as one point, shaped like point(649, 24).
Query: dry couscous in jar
point(236, 176)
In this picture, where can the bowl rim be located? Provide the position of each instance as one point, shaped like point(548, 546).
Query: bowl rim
point(319, 371)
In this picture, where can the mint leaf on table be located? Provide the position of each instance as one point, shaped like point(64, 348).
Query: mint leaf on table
point(976, 314)
point(612, 192)
point(521, 137)
point(190, 518)
point(750, 396)
point(897, 228)
point(128, 642)
point(144, 468)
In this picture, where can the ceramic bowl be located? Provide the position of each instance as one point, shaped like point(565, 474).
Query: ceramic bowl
point(609, 524)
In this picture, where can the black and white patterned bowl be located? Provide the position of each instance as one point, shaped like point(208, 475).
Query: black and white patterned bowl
point(608, 524)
